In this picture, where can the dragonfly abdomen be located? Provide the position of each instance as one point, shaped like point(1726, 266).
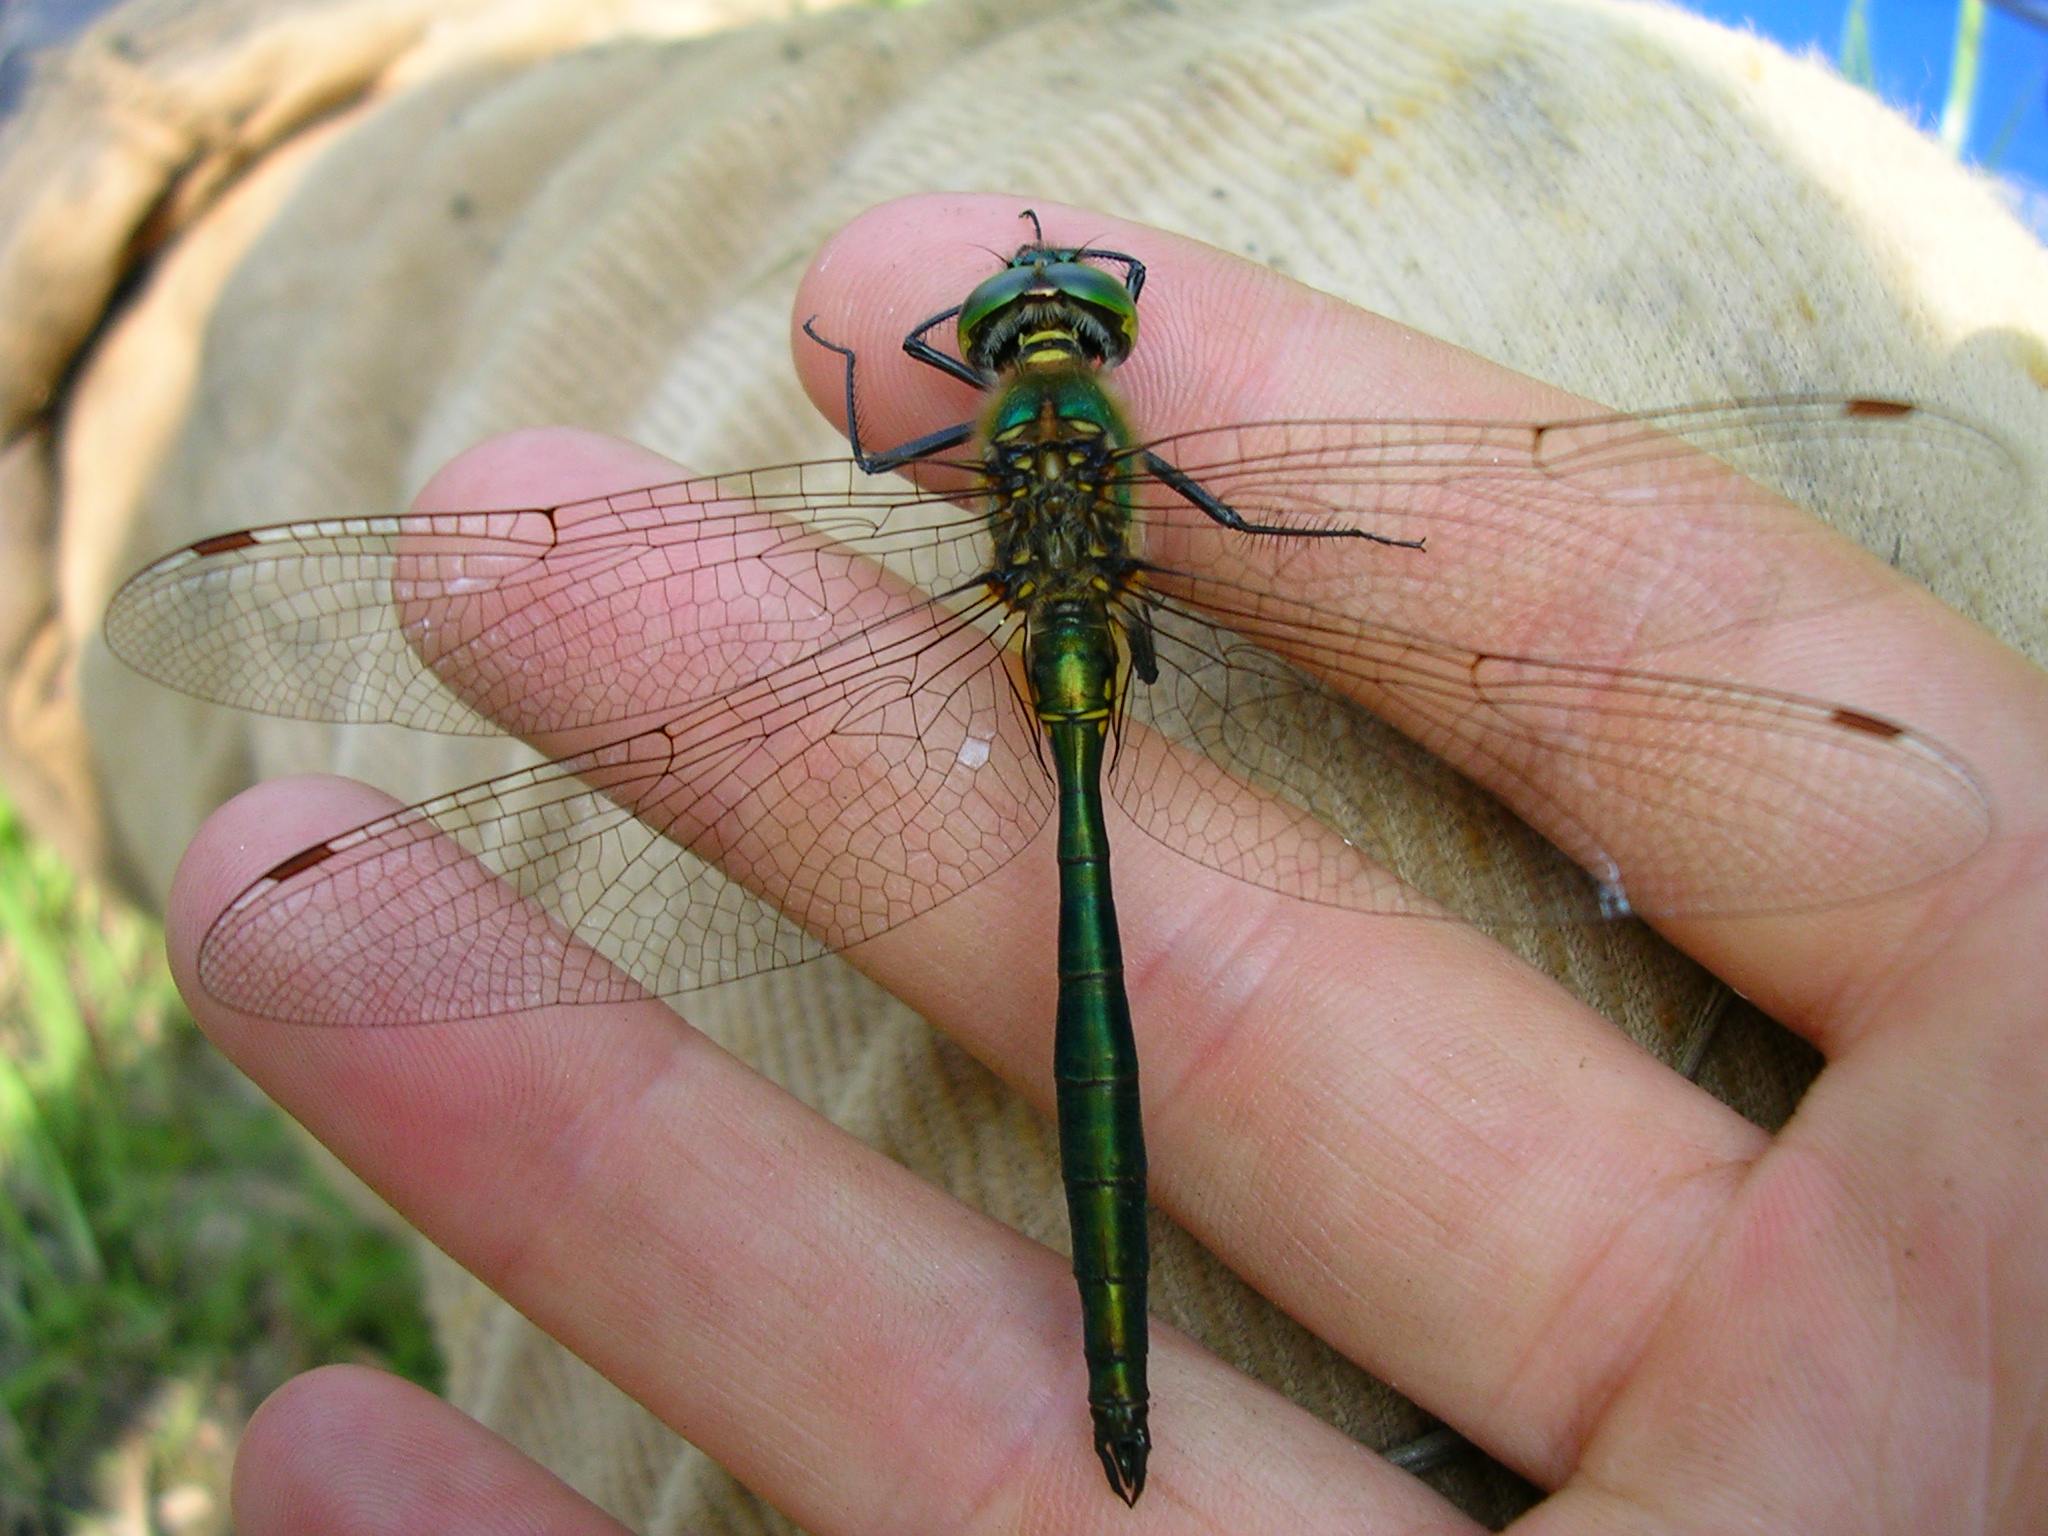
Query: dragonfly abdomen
point(1071, 655)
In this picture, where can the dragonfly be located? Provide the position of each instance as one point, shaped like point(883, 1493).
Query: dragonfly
point(796, 707)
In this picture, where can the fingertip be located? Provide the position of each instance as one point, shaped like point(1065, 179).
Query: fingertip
point(346, 1449)
point(542, 467)
point(291, 1467)
point(883, 273)
point(249, 835)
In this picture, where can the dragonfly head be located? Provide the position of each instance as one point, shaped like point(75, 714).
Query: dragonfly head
point(1047, 305)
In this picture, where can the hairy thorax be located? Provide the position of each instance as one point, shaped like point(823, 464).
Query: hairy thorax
point(1059, 500)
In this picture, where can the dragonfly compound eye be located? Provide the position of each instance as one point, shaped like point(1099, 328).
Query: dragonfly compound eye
point(1078, 305)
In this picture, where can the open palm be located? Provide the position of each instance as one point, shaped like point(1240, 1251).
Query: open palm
point(1429, 1154)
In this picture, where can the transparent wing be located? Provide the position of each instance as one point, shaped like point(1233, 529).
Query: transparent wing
point(536, 619)
point(1558, 538)
point(529, 615)
point(1593, 791)
point(804, 811)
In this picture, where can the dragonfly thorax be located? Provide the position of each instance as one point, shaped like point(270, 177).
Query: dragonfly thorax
point(1058, 495)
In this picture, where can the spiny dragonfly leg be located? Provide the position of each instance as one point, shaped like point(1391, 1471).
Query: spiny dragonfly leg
point(1192, 491)
point(910, 452)
point(915, 344)
point(1134, 269)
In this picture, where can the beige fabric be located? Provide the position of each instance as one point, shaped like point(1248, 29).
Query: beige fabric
point(378, 231)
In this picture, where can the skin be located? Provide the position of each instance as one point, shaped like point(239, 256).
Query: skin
point(1451, 1170)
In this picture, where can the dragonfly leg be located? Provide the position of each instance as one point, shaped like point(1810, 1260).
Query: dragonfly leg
point(908, 453)
point(1134, 269)
point(1137, 629)
point(1192, 491)
point(1134, 622)
point(915, 344)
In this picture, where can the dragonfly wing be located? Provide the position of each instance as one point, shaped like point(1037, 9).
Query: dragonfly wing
point(532, 619)
point(1244, 763)
point(1557, 538)
point(801, 812)
point(1580, 791)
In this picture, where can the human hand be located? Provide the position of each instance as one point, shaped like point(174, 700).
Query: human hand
point(1430, 1155)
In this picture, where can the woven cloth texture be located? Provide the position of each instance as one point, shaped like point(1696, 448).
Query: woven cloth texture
point(261, 261)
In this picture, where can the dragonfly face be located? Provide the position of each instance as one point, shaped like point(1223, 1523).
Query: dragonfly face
point(1299, 652)
point(1046, 305)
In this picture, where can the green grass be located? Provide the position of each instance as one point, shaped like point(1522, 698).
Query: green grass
point(168, 1253)
point(1959, 111)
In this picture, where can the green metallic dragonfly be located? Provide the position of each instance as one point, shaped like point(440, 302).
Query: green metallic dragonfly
point(812, 705)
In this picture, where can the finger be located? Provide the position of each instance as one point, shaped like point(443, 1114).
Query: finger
point(1764, 595)
point(344, 1450)
point(861, 1350)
